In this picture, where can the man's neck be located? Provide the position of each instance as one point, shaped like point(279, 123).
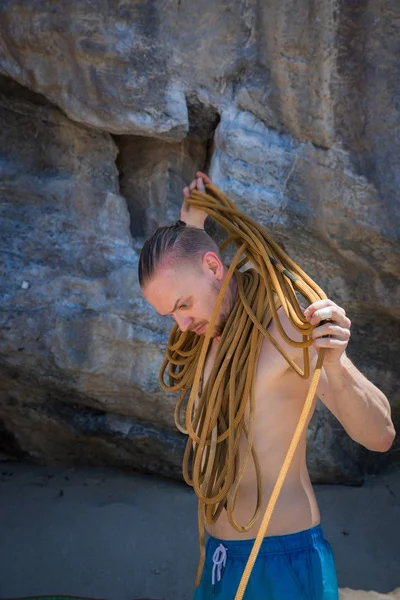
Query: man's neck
point(232, 287)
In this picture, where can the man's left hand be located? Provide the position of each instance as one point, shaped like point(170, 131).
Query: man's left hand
point(337, 329)
point(190, 215)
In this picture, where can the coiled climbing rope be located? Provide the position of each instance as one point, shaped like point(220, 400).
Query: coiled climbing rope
point(214, 417)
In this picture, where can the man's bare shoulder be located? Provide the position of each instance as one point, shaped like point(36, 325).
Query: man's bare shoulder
point(271, 362)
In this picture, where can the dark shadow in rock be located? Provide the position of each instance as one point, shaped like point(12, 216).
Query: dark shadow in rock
point(153, 172)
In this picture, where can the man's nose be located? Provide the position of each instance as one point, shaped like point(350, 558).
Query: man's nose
point(184, 322)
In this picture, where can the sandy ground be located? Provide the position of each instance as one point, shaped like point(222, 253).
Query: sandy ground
point(107, 534)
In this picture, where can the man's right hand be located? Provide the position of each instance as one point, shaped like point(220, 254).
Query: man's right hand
point(190, 215)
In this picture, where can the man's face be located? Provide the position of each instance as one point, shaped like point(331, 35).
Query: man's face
point(189, 293)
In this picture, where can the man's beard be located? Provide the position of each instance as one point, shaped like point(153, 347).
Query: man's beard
point(224, 311)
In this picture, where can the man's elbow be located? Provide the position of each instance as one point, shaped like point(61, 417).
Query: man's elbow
point(383, 443)
point(386, 442)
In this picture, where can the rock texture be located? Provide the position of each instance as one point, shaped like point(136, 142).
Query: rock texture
point(107, 109)
point(152, 176)
point(75, 378)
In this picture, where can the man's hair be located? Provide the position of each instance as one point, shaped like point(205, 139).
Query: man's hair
point(179, 243)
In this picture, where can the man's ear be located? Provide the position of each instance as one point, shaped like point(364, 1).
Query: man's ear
point(212, 262)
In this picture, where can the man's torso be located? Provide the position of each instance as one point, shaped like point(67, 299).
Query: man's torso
point(279, 398)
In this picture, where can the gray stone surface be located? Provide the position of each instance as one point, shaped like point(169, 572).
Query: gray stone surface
point(153, 174)
point(77, 382)
point(104, 64)
point(293, 107)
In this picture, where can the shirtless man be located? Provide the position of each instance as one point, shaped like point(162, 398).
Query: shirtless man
point(295, 561)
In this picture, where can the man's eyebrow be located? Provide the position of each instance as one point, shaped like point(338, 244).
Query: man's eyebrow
point(176, 304)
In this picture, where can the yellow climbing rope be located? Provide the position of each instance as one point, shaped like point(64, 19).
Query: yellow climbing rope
point(213, 417)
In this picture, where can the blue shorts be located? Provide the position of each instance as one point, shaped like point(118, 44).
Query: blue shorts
point(298, 566)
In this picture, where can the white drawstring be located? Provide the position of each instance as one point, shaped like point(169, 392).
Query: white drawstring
point(219, 561)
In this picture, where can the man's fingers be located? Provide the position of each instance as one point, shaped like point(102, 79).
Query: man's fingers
point(200, 185)
point(197, 183)
point(204, 177)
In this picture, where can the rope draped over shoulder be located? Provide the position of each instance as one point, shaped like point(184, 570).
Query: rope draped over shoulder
point(214, 417)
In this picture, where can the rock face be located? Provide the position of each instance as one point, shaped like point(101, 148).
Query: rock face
point(152, 176)
point(107, 109)
point(77, 382)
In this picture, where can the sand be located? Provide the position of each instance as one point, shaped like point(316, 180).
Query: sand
point(103, 533)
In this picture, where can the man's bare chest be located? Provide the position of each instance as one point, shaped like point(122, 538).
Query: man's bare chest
point(271, 413)
point(269, 371)
point(276, 402)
